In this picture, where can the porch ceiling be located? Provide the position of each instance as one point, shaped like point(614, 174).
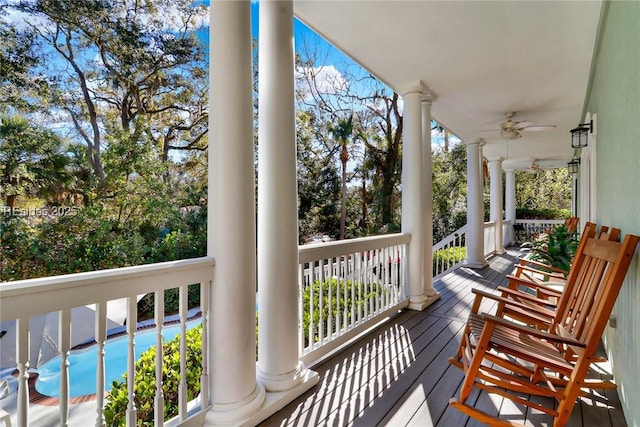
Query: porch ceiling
point(482, 58)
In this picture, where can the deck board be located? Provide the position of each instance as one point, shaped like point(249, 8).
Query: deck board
point(398, 375)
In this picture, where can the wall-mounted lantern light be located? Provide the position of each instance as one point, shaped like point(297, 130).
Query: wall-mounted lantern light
point(580, 135)
point(574, 165)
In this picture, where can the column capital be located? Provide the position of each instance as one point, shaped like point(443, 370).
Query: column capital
point(478, 141)
point(428, 95)
point(499, 160)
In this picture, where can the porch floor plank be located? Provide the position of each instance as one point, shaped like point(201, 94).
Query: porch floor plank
point(399, 375)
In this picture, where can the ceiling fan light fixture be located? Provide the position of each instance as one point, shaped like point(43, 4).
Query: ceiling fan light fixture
point(510, 134)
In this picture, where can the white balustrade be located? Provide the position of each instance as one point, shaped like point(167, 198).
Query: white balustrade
point(347, 287)
point(26, 300)
point(533, 227)
point(448, 252)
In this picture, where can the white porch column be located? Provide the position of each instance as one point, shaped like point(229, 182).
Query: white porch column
point(496, 205)
point(475, 208)
point(235, 394)
point(413, 195)
point(428, 98)
point(510, 200)
point(279, 367)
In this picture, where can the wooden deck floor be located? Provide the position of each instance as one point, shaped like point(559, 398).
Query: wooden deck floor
point(399, 375)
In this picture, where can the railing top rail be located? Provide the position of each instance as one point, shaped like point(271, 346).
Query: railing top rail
point(539, 221)
point(450, 238)
point(48, 294)
point(316, 251)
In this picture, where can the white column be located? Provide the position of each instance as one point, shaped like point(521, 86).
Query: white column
point(412, 196)
point(510, 199)
point(428, 98)
point(279, 367)
point(231, 235)
point(496, 205)
point(475, 208)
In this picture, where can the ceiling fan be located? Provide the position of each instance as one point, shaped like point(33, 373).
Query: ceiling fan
point(510, 129)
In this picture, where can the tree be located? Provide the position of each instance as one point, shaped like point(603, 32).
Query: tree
point(134, 66)
point(544, 189)
point(17, 60)
point(343, 134)
point(318, 181)
point(32, 162)
point(449, 189)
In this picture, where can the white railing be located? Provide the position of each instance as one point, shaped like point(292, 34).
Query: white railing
point(533, 227)
point(347, 287)
point(84, 305)
point(489, 238)
point(449, 252)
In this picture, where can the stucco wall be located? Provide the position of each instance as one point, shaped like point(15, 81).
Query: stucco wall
point(615, 97)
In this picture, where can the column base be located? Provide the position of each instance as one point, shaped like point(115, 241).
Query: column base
point(476, 265)
point(233, 414)
point(282, 382)
point(420, 302)
point(273, 402)
point(500, 251)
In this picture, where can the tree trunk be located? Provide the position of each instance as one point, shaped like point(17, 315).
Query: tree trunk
point(344, 157)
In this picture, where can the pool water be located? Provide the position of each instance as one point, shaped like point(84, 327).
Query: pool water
point(82, 363)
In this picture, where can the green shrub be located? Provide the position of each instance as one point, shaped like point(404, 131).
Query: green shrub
point(543, 213)
point(145, 382)
point(447, 257)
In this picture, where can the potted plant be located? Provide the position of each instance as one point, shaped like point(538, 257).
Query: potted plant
point(556, 248)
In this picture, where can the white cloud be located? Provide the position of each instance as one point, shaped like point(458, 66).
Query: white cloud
point(325, 80)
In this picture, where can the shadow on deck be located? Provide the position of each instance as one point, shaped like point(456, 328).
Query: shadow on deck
point(399, 375)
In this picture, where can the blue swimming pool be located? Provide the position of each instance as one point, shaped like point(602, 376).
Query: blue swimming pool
point(82, 363)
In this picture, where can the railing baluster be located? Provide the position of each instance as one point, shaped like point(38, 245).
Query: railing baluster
point(312, 267)
point(330, 314)
point(338, 279)
point(100, 337)
point(321, 320)
point(64, 345)
point(204, 309)
point(343, 278)
point(132, 323)
point(359, 270)
point(301, 287)
point(329, 320)
point(22, 359)
point(352, 274)
point(159, 397)
point(182, 387)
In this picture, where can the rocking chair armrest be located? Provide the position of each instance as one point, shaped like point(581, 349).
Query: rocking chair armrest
point(534, 285)
point(524, 261)
point(553, 274)
point(514, 303)
point(531, 331)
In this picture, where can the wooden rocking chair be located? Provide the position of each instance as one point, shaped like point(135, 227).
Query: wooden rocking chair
point(515, 360)
point(550, 292)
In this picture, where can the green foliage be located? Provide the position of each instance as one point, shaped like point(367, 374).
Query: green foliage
point(145, 381)
point(448, 256)
point(90, 239)
point(544, 189)
point(146, 305)
point(449, 190)
point(542, 213)
point(32, 162)
point(556, 248)
point(340, 299)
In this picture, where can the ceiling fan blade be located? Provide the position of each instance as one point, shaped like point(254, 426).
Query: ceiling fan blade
point(522, 125)
point(538, 128)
